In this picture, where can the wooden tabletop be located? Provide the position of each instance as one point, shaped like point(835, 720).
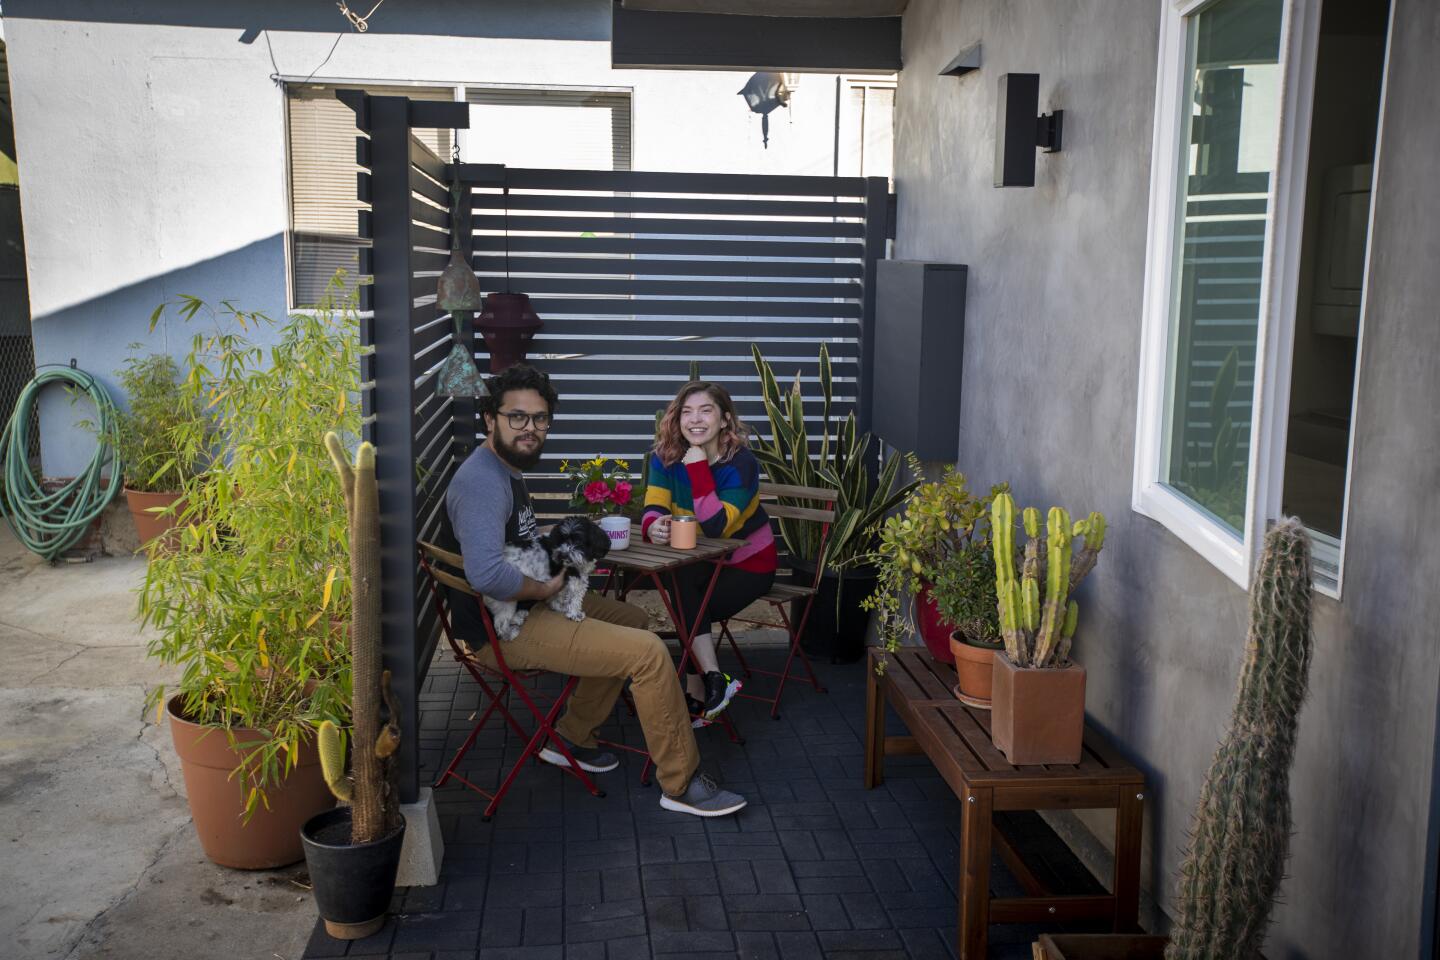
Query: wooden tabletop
point(645, 557)
point(921, 690)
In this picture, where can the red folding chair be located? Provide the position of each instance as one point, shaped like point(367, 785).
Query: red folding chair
point(445, 568)
point(782, 595)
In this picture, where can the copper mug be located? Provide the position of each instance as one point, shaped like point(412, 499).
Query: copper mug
point(682, 533)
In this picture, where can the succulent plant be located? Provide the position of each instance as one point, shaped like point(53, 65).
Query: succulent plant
point(1038, 631)
point(1241, 831)
point(370, 790)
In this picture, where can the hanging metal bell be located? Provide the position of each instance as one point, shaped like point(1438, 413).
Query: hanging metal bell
point(458, 288)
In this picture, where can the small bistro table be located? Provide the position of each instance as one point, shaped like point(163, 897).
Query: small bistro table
point(956, 738)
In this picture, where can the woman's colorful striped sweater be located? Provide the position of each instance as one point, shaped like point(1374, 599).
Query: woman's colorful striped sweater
point(724, 497)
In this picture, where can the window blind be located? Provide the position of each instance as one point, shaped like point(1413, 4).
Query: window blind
point(323, 206)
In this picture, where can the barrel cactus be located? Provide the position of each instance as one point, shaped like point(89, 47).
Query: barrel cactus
point(1037, 630)
point(1241, 832)
point(369, 790)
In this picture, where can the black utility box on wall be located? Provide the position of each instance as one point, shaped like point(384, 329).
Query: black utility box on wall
point(919, 349)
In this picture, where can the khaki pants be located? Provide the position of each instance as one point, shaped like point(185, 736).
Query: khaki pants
point(609, 645)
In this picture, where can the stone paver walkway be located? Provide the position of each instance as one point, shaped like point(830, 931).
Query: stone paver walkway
point(815, 867)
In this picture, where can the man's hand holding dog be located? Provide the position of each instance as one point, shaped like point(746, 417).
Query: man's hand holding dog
point(541, 590)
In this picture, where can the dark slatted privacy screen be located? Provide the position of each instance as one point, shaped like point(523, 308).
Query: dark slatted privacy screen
point(635, 274)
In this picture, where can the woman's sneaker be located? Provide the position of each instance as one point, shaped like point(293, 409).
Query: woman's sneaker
point(703, 797)
point(697, 713)
point(720, 689)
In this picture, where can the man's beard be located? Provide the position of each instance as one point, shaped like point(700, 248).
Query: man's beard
point(516, 457)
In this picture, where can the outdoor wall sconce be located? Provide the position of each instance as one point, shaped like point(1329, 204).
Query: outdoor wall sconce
point(1019, 131)
point(458, 293)
point(764, 92)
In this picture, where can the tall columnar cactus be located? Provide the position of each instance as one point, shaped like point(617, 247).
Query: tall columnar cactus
point(1037, 631)
point(374, 810)
point(1241, 831)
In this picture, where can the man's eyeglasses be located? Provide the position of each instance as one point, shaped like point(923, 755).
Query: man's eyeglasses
point(519, 420)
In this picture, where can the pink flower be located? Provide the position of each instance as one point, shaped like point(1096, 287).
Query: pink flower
point(621, 496)
point(597, 491)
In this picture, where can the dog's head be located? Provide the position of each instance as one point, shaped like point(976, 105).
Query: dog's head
point(576, 542)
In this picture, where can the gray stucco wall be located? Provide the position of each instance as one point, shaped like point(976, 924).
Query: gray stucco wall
point(1056, 285)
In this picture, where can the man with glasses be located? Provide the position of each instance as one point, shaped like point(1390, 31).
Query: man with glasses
point(489, 507)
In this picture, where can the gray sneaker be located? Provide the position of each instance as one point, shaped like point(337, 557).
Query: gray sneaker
point(591, 759)
point(703, 798)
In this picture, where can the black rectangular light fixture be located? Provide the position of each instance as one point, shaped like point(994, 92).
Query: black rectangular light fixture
point(1019, 131)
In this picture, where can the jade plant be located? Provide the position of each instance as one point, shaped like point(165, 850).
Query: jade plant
point(1241, 831)
point(370, 791)
point(1037, 630)
point(938, 542)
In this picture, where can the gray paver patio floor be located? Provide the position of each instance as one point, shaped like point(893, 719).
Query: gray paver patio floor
point(816, 866)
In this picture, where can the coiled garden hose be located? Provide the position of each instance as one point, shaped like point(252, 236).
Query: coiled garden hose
point(49, 523)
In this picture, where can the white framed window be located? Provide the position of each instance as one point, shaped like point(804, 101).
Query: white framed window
point(1232, 118)
point(1266, 132)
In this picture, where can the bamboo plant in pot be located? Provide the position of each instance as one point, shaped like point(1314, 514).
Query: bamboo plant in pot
point(838, 458)
point(1038, 697)
point(154, 437)
point(243, 605)
point(353, 852)
point(936, 550)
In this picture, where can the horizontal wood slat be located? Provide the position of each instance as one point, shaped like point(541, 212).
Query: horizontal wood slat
point(729, 288)
point(621, 266)
point(666, 225)
point(630, 181)
point(697, 348)
point(837, 250)
point(694, 308)
point(693, 205)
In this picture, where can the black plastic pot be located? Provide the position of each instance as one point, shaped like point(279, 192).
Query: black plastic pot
point(353, 883)
point(842, 638)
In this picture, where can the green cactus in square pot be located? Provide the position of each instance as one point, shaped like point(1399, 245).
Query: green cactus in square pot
point(1038, 694)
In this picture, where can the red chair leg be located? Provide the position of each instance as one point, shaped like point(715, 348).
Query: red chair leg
point(739, 657)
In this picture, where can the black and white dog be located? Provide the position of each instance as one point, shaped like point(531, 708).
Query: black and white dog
point(573, 545)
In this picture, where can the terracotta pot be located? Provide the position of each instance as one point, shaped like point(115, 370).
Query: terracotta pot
point(148, 523)
point(935, 630)
point(974, 667)
point(1037, 715)
point(217, 802)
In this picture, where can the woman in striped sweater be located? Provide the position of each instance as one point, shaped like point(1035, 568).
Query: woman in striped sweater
point(702, 466)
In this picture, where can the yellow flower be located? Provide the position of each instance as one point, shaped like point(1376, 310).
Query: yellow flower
point(564, 466)
point(598, 462)
point(623, 464)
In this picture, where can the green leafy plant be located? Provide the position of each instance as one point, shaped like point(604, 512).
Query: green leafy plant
point(791, 458)
point(160, 419)
point(1037, 632)
point(245, 603)
point(937, 541)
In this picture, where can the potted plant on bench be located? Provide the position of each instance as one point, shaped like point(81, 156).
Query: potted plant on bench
point(1038, 697)
point(243, 604)
point(937, 551)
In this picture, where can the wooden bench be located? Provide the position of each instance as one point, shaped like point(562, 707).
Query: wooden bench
point(956, 738)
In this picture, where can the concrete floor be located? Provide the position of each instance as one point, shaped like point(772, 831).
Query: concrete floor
point(98, 857)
